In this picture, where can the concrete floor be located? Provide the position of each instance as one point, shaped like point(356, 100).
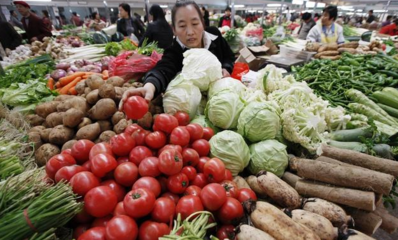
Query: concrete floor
point(382, 235)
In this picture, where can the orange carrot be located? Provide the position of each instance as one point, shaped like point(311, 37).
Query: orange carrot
point(105, 74)
point(73, 91)
point(57, 85)
point(50, 83)
point(66, 80)
point(71, 84)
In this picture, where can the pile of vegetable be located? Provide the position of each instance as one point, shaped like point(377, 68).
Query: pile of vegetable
point(70, 41)
point(20, 54)
point(114, 49)
point(349, 31)
point(233, 39)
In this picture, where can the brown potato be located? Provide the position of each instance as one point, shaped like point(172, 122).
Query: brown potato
point(93, 97)
point(68, 145)
point(107, 91)
point(115, 81)
point(45, 135)
point(60, 135)
point(34, 120)
point(117, 117)
point(45, 152)
point(106, 136)
point(85, 122)
point(146, 121)
point(37, 129)
point(54, 119)
point(90, 132)
point(45, 109)
point(79, 103)
point(80, 87)
point(34, 137)
point(121, 126)
point(105, 125)
point(72, 117)
point(103, 109)
point(94, 82)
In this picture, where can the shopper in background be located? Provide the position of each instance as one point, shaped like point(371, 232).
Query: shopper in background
point(188, 26)
point(326, 30)
point(35, 28)
point(138, 17)
point(391, 29)
point(96, 23)
point(127, 24)
point(159, 29)
point(206, 16)
point(75, 20)
point(46, 19)
point(226, 19)
point(316, 17)
point(14, 21)
point(387, 21)
point(306, 25)
point(371, 17)
point(9, 38)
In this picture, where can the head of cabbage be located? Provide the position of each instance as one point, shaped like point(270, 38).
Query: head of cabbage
point(181, 96)
point(231, 148)
point(204, 122)
point(259, 121)
point(226, 84)
point(268, 155)
point(223, 109)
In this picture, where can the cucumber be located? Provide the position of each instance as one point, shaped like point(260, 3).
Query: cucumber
point(390, 110)
point(352, 135)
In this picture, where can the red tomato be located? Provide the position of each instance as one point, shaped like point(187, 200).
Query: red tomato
point(195, 131)
point(190, 172)
point(135, 107)
point(213, 196)
point(163, 183)
point(231, 188)
point(119, 209)
point(163, 210)
point(208, 133)
point(117, 188)
point(101, 222)
point(121, 228)
point(122, 144)
point(170, 146)
point(245, 194)
point(180, 136)
point(177, 183)
point(228, 175)
point(83, 182)
point(171, 196)
point(231, 210)
point(190, 157)
point(200, 180)
point(87, 165)
point(188, 205)
point(139, 202)
point(126, 174)
point(149, 183)
point(152, 230)
point(100, 148)
point(102, 163)
point(201, 164)
point(156, 140)
point(139, 137)
point(57, 162)
point(226, 232)
point(79, 230)
point(97, 233)
point(82, 217)
point(81, 150)
point(130, 129)
point(67, 151)
point(100, 201)
point(67, 172)
point(193, 190)
point(149, 167)
point(183, 118)
point(202, 146)
point(138, 154)
point(170, 162)
point(165, 123)
point(121, 160)
point(214, 170)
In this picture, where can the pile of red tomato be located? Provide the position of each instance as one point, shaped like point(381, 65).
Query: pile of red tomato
point(134, 187)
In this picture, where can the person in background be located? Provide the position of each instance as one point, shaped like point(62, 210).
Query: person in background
point(226, 19)
point(46, 19)
point(14, 21)
point(316, 17)
point(306, 25)
point(391, 29)
point(326, 30)
point(9, 38)
point(58, 23)
point(75, 20)
point(138, 17)
point(159, 29)
point(188, 26)
point(387, 21)
point(35, 28)
point(127, 24)
point(206, 16)
point(371, 17)
point(96, 23)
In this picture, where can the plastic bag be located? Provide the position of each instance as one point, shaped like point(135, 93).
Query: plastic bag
point(131, 65)
point(240, 69)
point(257, 33)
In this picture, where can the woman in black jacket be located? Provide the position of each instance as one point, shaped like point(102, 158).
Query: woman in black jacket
point(188, 26)
point(159, 30)
point(127, 24)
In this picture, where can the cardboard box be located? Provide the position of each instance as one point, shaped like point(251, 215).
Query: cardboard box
point(255, 57)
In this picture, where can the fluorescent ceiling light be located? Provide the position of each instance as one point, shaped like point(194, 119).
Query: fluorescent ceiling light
point(105, 3)
point(274, 5)
point(164, 6)
point(239, 6)
point(359, 10)
point(111, 9)
point(298, 2)
point(261, 11)
point(37, 0)
point(380, 11)
point(345, 7)
point(312, 5)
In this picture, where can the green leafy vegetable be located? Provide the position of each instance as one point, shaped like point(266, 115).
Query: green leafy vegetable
point(112, 49)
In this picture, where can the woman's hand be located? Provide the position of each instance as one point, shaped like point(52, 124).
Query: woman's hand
point(225, 73)
point(147, 91)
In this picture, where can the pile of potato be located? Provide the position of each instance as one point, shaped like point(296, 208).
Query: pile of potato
point(333, 51)
point(92, 115)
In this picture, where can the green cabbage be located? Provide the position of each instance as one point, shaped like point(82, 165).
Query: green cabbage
point(204, 122)
point(223, 109)
point(259, 121)
point(268, 155)
point(226, 84)
point(231, 148)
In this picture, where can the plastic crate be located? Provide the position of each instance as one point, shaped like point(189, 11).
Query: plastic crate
point(294, 53)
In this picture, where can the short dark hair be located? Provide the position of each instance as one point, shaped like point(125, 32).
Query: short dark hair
point(45, 13)
point(389, 17)
point(371, 11)
point(180, 4)
point(126, 8)
point(157, 12)
point(93, 15)
point(74, 13)
point(332, 11)
point(227, 9)
point(396, 21)
point(11, 12)
point(203, 8)
point(306, 16)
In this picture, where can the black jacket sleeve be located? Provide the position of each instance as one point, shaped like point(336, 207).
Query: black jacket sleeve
point(220, 22)
point(147, 34)
point(223, 50)
point(119, 27)
point(140, 28)
point(44, 30)
point(16, 38)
